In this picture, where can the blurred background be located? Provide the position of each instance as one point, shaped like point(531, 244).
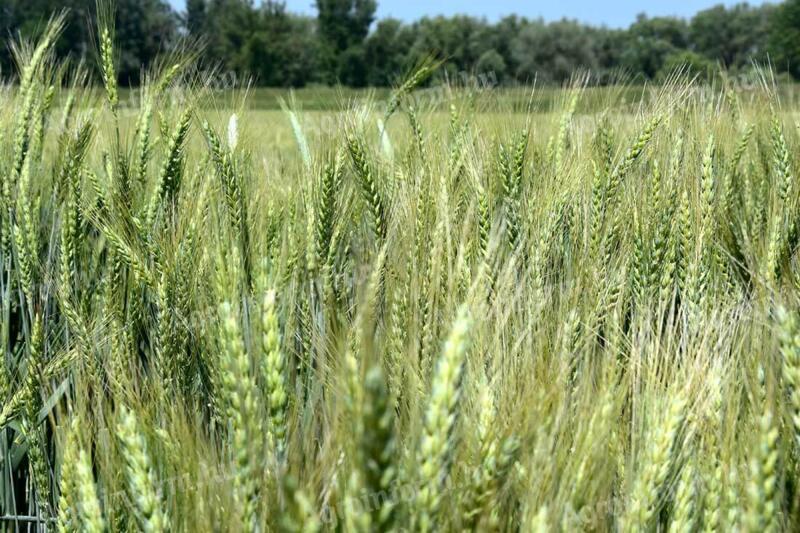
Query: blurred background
point(364, 43)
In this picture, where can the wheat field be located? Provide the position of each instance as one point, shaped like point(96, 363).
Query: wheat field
point(392, 317)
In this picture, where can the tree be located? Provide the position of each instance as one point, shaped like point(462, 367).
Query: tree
point(302, 47)
point(385, 50)
point(344, 25)
point(280, 52)
point(687, 62)
point(650, 41)
point(502, 38)
point(195, 17)
point(732, 36)
point(227, 26)
point(553, 52)
point(143, 29)
point(260, 38)
point(491, 65)
point(26, 18)
point(784, 37)
point(609, 48)
point(459, 40)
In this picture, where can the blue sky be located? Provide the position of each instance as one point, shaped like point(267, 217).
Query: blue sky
point(615, 13)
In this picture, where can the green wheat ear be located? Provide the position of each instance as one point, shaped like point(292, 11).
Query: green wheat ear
point(379, 448)
point(91, 517)
point(414, 79)
point(300, 515)
point(438, 442)
point(109, 72)
point(78, 507)
point(762, 488)
point(684, 505)
point(141, 478)
point(69, 486)
point(369, 186)
point(790, 350)
point(239, 395)
point(655, 468)
point(273, 369)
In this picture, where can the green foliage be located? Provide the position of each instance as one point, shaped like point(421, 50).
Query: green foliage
point(552, 52)
point(260, 41)
point(145, 28)
point(784, 37)
point(689, 63)
point(491, 63)
point(650, 41)
point(386, 48)
point(733, 36)
point(343, 26)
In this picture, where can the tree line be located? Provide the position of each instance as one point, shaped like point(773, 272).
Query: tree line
point(344, 43)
